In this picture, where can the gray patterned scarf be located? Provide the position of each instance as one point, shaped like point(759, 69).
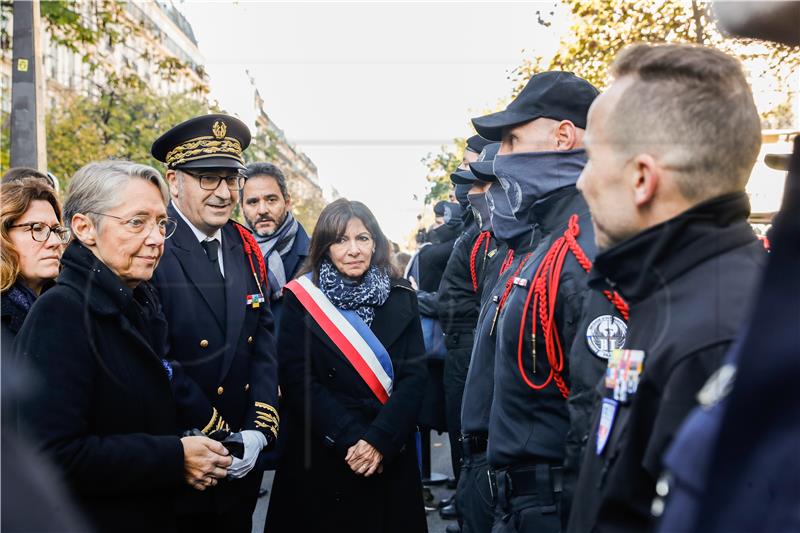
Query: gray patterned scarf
point(274, 247)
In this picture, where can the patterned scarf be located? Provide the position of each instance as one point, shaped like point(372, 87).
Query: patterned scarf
point(274, 247)
point(362, 297)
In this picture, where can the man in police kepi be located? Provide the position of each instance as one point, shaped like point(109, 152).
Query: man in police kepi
point(543, 360)
point(212, 284)
point(671, 146)
point(474, 494)
point(459, 297)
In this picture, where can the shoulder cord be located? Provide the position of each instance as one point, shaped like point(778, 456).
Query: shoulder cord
point(483, 237)
point(507, 290)
point(251, 249)
point(544, 291)
point(507, 261)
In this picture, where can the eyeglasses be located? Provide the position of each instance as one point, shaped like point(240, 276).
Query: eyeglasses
point(210, 182)
point(142, 224)
point(40, 231)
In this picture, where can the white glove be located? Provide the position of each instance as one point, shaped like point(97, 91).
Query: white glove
point(254, 442)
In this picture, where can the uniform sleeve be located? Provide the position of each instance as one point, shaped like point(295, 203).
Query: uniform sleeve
point(390, 430)
point(457, 298)
point(678, 398)
point(58, 416)
point(330, 421)
point(262, 413)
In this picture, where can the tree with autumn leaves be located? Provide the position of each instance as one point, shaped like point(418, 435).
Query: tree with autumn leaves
point(601, 28)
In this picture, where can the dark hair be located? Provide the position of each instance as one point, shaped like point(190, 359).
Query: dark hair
point(266, 169)
point(692, 106)
point(332, 224)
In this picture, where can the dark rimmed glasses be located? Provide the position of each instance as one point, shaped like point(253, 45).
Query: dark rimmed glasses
point(142, 224)
point(40, 231)
point(210, 182)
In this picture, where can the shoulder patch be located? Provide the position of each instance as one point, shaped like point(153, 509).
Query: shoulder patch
point(605, 334)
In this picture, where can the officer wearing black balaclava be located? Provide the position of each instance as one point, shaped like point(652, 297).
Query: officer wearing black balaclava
point(473, 494)
point(552, 337)
point(459, 299)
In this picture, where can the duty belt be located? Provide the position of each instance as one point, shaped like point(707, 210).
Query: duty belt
point(541, 480)
point(474, 443)
point(459, 339)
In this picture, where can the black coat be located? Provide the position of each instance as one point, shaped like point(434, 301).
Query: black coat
point(459, 300)
point(223, 355)
point(328, 408)
point(104, 411)
point(689, 282)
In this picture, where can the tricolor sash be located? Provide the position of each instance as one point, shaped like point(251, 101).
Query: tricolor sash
point(350, 334)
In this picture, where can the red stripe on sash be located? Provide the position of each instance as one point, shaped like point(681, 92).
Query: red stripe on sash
point(339, 340)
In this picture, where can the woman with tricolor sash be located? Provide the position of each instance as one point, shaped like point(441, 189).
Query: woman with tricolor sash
point(352, 373)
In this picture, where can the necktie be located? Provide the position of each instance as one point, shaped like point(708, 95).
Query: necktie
point(211, 248)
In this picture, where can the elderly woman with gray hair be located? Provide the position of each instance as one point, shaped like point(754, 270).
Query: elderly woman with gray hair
point(104, 410)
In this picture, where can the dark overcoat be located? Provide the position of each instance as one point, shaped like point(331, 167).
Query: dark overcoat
point(222, 349)
point(104, 410)
point(328, 408)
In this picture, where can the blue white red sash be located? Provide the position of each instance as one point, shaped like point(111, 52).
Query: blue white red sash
point(350, 334)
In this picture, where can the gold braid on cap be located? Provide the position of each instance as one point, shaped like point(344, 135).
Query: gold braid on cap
point(216, 145)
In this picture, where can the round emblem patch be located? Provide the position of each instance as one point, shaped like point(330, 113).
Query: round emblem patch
point(605, 334)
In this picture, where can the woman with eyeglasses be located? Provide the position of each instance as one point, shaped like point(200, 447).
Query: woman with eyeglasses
point(32, 241)
point(104, 412)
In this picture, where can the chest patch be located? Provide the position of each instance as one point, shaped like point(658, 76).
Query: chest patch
point(605, 334)
point(623, 373)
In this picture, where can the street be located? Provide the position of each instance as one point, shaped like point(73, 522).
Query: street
point(440, 462)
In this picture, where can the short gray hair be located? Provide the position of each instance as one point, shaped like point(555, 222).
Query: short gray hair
point(96, 187)
point(692, 106)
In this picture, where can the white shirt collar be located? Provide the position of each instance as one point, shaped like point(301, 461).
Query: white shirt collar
point(197, 233)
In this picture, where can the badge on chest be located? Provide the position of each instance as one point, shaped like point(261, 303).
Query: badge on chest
point(623, 373)
point(254, 300)
point(622, 380)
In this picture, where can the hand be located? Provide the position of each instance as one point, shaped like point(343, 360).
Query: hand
point(204, 461)
point(413, 283)
point(364, 459)
point(254, 442)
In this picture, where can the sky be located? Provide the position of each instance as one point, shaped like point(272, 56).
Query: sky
point(367, 89)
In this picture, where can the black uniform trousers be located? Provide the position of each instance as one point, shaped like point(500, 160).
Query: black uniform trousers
point(474, 495)
point(456, 364)
point(528, 499)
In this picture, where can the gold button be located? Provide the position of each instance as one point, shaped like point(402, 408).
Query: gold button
point(220, 390)
point(204, 343)
point(247, 386)
point(250, 340)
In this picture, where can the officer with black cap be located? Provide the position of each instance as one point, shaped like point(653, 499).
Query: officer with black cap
point(459, 298)
point(474, 496)
point(212, 283)
point(543, 362)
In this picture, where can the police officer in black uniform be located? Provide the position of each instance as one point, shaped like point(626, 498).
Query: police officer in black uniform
point(212, 284)
point(459, 297)
point(672, 226)
point(474, 494)
point(540, 159)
